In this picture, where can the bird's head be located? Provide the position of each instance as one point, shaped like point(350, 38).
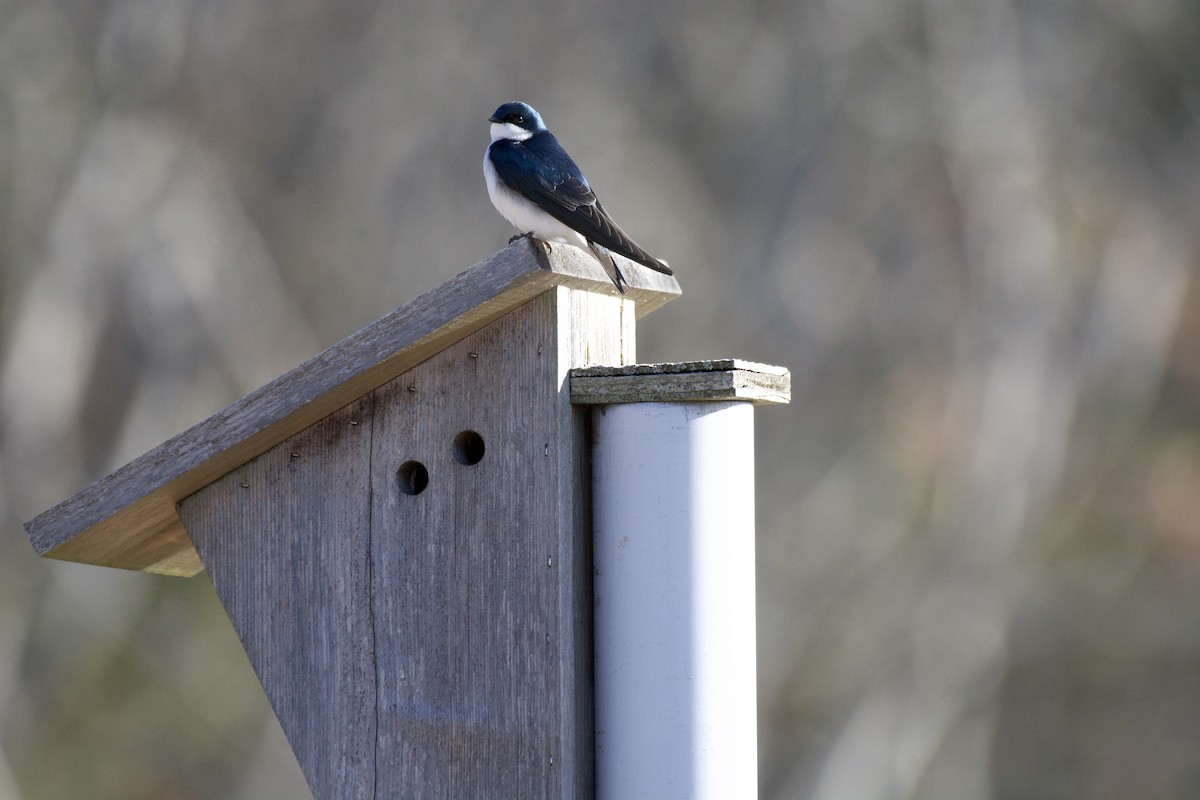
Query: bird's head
point(515, 120)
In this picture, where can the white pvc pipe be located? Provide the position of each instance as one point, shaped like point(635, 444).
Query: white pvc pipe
point(673, 504)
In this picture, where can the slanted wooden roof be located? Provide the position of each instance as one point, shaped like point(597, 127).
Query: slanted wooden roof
point(128, 519)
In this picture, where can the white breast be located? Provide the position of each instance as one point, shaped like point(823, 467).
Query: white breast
point(524, 215)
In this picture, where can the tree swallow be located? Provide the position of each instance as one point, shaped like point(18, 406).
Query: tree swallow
point(536, 186)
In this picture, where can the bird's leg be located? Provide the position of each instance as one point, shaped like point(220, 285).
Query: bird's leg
point(526, 235)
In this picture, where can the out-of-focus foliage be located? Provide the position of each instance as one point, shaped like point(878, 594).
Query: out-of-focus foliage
point(969, 227)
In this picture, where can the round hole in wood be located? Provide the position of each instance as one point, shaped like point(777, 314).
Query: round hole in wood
point(468, 448)
point(412, 477)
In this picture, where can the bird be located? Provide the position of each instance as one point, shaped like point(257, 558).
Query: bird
point(536, 186)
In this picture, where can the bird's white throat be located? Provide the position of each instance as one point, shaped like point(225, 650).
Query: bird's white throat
point(507, 130)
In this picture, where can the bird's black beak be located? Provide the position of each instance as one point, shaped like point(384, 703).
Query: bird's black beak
point(493, 119)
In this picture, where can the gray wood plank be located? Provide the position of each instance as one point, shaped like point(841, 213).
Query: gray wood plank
point(488, 567)
point(128, 519)
point(689, 381)
point(583, 341)
point(461, 568)
point(285, 540)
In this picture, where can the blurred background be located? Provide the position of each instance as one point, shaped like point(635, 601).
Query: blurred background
point(971, 229)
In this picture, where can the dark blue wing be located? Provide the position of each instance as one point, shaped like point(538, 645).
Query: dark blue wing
point(540, 170)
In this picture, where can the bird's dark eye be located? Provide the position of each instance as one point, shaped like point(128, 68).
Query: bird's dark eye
point(517, 118)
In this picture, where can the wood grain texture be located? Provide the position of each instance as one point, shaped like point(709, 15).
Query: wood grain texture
point(586, 337)
point(285, 538)
point(689, 381)
point(128, 518)
point(436, 644)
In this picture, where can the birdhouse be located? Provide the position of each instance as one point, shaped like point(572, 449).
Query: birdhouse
point(401, 528)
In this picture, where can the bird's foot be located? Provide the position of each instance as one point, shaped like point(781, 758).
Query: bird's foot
point(533, 239)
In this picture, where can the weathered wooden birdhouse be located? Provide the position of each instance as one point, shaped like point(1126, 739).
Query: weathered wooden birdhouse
point(401, 530)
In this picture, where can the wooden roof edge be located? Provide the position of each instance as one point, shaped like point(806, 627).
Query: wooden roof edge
point(127, 518)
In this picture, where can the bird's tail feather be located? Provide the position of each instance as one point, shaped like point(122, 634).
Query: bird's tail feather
point(609, 264)
point(605, 256)
point(659, 266)
point(635, 253)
